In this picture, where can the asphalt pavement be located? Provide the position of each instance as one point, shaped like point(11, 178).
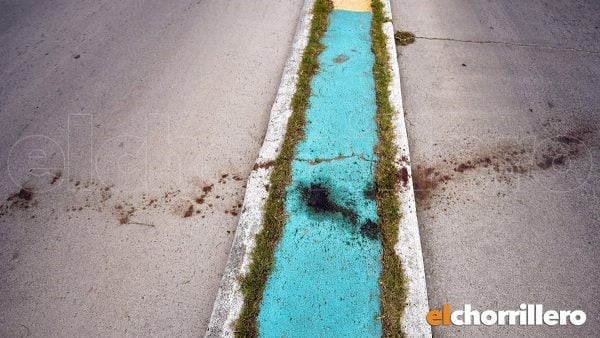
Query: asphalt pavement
point(502, 107)
point(128, 131)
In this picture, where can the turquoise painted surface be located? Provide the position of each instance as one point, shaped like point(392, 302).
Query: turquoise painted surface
point(327, 264)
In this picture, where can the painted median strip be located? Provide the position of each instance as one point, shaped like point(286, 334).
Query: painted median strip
point(325, 276)
point(324, 260)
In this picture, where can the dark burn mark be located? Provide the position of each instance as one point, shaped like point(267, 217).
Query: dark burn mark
point(124, 215)
point(567, 139)
point(19, 200)
point(404, 176)
point(56, 177)
point(425, 181)
point(370, 229)
point(318, 200)
point(340, 59)
point(506, 160)
point(464, 167)
point(548, 161)
point(189, 212)
point(562, 149)
point(371, 192)
point(264, 165)
point(122, 207)
point(25, 194)
point(205, 191)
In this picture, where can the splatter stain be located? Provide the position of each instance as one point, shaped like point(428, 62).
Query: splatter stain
point(370, 229)
point(340, 59)
point(319, 201)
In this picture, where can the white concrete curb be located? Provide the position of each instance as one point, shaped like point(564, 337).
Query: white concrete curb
point(229, 299)
point(408, 246)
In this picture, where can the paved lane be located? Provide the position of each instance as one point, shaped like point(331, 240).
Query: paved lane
point(149, 116)
point(502, 112)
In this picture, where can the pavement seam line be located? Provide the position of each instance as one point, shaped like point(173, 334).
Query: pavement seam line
point(229, 299)
point(515, 44)
point(408, 246)
point(361, 157)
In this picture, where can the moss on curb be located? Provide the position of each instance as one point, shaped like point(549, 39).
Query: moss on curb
point(253, 284)
point(391, 280)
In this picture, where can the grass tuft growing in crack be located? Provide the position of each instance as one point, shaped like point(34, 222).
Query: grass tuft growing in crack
point(391, 280)
point(253, 284)
point(404, 38)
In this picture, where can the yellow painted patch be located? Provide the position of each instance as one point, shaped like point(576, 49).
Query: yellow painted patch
point(353, 5)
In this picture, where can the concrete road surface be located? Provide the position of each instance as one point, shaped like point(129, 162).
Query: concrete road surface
point(128, 131)
point(503, 108)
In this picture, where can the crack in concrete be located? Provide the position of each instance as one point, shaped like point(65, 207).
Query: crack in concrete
point(331, 159)
point(515, 44)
